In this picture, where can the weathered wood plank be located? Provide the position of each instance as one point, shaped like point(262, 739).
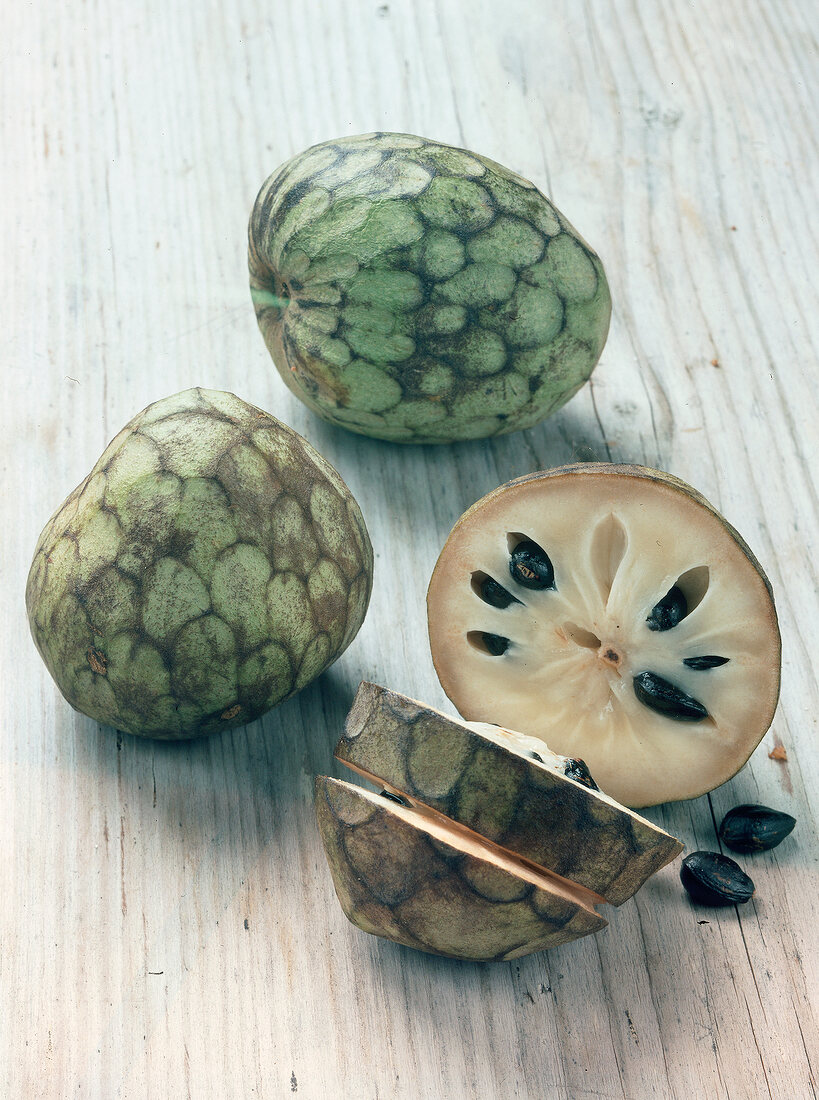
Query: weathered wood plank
point(168, 922)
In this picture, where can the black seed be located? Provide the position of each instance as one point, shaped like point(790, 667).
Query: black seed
point(703, 663)
point(495, 594)
point(661, 695)
point(754, 828)
point(394, 798)
point(495, 643)
point(530, 566)
point(579, 772)
point(536, 756)
point(669, 611)
point(713, 879)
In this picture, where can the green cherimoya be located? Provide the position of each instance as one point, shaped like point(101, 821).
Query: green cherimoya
point(210, 565)
point(479, 847)
point(416, 292)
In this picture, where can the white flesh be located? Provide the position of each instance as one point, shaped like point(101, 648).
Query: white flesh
point(618, 542)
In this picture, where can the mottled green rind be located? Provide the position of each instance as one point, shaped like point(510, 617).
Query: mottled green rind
point(210, 565)
point(419, 293)
point(394, 880)
point(518, 804)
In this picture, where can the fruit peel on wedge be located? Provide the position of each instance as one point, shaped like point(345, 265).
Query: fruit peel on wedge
point(504, 795)
point(396, 879)
point(475, 848)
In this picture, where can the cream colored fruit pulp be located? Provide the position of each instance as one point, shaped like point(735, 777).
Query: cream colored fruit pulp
point(617, 542)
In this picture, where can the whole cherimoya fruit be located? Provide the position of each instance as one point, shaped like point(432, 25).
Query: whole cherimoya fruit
point(210, 565)
point(415, 292)
point(613, 612)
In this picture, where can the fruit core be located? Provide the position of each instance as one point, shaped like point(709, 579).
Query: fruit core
point(604, 651)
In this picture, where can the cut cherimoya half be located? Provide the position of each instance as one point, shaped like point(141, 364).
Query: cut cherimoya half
point(612, 612)
point(478, 847)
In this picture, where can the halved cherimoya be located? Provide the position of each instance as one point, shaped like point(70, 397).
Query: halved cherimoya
point(612, 612)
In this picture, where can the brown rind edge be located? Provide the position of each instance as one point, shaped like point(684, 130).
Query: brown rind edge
point(629, 470)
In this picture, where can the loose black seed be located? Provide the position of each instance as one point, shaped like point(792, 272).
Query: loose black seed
point(536, 756)
point(703, 663)
point(579, 772)
point(714, 879)
point(661, 695)
point(754, 828)
point(530, 566)
point(394, 798)
point(495, 594)
point(668, 611)
point(495, 643)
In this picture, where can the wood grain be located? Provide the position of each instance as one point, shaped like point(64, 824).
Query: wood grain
point(168, 922)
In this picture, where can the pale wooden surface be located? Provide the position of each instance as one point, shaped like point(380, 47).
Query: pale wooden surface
point(169, 927)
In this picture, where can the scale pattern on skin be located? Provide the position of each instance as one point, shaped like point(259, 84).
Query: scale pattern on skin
point(394, 880)
point(420, 293)
point(489, 787)
point(211, 564)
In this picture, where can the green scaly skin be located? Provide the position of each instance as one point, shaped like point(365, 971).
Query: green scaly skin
point(210, 565)
point(510, 800)
point(395, 881)
point(415, 292)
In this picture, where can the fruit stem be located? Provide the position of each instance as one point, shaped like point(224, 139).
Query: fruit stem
point(263, 299)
